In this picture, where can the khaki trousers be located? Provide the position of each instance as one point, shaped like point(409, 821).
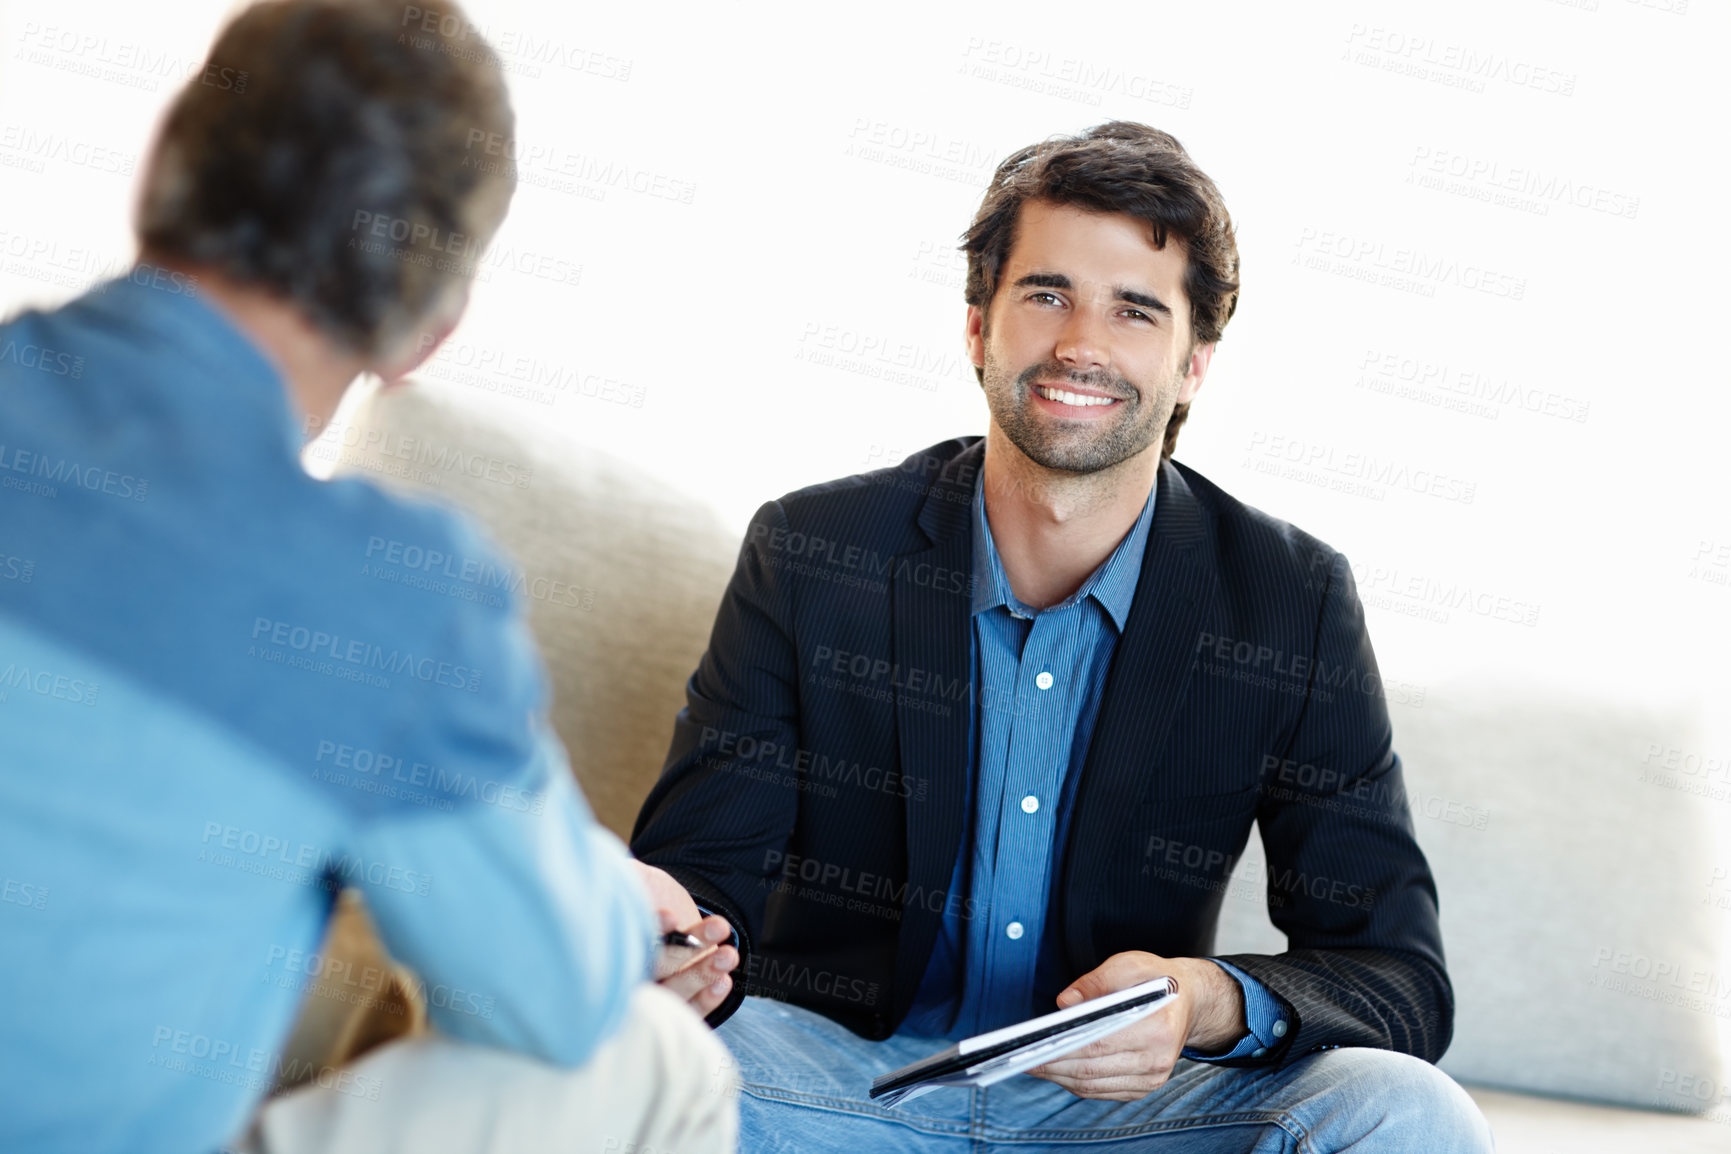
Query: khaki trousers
point(662, 1084)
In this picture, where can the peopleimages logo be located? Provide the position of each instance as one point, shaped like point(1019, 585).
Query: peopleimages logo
point(46, 683)
point(390, 447)
point(374, 772)
point(301, 862)
point(42, 359)
point(19, 893)
point(61, 471)
point(776, 979)
point(835, 883)
point(803, 768)
point(481, 573)
point(362, 654)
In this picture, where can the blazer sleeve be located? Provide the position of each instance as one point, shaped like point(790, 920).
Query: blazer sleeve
point(1347, 881)
point(720, 817)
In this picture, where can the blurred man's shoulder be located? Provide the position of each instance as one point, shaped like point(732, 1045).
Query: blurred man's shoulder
point(420, 568)
point(399, 627)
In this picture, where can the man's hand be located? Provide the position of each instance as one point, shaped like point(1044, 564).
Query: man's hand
point(698, 976)
point(1208, 1013)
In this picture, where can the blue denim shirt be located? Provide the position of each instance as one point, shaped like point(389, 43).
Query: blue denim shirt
point(224, 693)
point(1038, 678)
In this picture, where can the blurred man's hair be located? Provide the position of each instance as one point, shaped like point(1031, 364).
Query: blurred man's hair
point(1118, 167)
point(326, 154)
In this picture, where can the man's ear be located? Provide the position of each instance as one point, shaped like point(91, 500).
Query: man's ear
point(420, 345)
point(975, 335)
point(1200, 358)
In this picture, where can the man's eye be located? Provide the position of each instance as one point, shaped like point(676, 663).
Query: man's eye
point(1138, 315)
point(1044, 298)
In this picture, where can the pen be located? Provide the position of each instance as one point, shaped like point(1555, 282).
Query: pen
point(681, 938)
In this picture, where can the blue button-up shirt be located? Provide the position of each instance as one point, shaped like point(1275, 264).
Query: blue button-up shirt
point(1038, 678)
point(223, 693)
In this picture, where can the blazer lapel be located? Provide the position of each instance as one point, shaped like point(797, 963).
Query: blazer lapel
point(1150, 675)
point(931, 593)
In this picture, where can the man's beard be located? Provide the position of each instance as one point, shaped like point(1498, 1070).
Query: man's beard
point(1080, 446)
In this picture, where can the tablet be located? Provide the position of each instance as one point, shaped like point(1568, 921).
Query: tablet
point(991, 1057)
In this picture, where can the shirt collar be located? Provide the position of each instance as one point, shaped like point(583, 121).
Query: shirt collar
point(222, 370)
point(1113, 584)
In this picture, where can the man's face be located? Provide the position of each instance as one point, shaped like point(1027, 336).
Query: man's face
point(1087, 345)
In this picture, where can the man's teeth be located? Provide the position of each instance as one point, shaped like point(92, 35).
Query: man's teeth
point(1065, 397)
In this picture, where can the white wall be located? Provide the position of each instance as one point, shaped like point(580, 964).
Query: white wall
point(831, 159)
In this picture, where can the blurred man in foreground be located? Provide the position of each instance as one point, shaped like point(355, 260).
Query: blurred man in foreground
point(212, 718)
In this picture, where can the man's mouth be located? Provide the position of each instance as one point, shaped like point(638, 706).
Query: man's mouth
point(1067, 397)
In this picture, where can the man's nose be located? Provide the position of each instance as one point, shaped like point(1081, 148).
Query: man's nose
point(1082, 342)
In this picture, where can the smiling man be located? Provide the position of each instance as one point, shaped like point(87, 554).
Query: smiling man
point(983, 734)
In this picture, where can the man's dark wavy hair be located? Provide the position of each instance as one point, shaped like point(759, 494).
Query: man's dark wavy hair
point(314, 120)
point(1118, 167)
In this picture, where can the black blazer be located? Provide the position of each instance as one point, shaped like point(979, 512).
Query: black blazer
point(816, 786)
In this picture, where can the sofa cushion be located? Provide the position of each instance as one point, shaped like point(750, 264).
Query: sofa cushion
point(621, 573)
point(1585, 951)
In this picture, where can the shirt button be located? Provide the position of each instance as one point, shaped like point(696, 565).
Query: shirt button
point(1044, 681)
point(1280, 1029)
point(1258, 1052)
point(1030, 804)
point(1013, 931)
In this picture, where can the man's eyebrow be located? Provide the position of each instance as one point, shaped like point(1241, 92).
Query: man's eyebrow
point(1152, 303)
point(1057, 280)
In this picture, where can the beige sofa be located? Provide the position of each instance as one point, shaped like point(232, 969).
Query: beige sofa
point(1519, 797)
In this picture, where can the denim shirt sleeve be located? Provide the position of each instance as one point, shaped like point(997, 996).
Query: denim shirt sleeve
point(1262, 1014)
point(537, 916)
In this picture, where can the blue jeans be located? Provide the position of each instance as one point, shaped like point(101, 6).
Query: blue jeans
point(805, 1081)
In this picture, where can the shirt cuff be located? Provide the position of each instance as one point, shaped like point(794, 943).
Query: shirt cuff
point(1262, 1013)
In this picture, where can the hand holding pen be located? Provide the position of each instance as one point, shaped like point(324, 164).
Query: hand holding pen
point(698, 966)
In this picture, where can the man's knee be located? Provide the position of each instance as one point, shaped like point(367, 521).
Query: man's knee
point(1412, 1097)
point(669, 1079)
point(685, 1048)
